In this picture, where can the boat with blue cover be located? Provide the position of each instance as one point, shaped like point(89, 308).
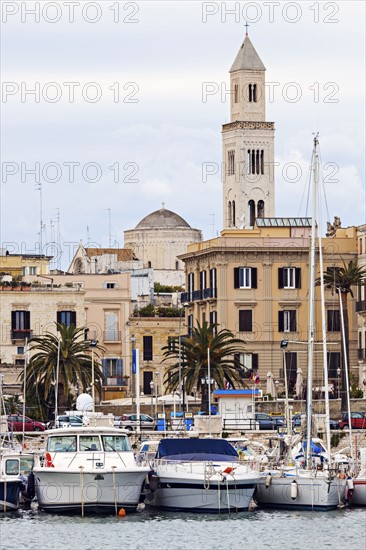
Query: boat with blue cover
point(200, 475)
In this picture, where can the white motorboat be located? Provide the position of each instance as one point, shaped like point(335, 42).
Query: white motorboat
point(356, 492)
point(200, 475)
point(14, 469)
point(89, 469)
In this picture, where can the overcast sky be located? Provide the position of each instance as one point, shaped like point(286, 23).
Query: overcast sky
point(131, 128)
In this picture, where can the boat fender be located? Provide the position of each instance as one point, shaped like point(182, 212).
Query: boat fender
point(294, 489)
point(30, 490)
point(342, 475)
point(49, 463)
point(153, 482)
point(268, 480)
point(228, 470)
point(349, 489)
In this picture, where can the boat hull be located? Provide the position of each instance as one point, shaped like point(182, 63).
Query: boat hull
point(359, 492)
point(178, 488)
point(90, 492)
point(9, 494)
point(312, 492)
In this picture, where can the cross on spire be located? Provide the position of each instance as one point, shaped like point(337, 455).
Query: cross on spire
point(246, 28)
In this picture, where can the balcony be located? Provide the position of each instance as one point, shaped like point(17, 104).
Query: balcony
point(115, 381)
point(361, 306)
point(209, 293)
point(204, 294)
point(21, 334)
point(112, 335)
point(361, 354)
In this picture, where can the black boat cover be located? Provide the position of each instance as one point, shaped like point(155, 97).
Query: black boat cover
point(196, 449)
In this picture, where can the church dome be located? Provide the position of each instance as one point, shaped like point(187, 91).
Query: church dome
point(162, 218)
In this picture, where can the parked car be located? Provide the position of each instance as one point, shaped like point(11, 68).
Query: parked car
point(130, 422)
point(358, 420)
point(15, 424)
point(268, 422)
point(66, 421)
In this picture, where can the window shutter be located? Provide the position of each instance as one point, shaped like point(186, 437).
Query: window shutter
point(280, 277)
point(254, 361)
point(148, 351)
point(13, 320)
point(27, 320)
point(293, 321)
point(73, 318)
point(236, 277)
point(237, 360)
point(297, 277)
point(245, 320)
point(281, 321)
point(254, 277)
point(58, 317)
point(104, 368)
point(119, 368)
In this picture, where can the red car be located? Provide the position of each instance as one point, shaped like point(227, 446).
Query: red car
point(358, 420)
point(15, 424)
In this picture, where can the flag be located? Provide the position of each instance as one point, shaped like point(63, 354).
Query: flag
point(256, 379)
point(228, 386)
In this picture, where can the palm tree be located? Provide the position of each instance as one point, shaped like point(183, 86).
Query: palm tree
point(341, 280)
point(193, 362)
point(71, 352)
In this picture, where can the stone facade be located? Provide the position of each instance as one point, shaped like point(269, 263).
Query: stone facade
point(256, 285)
point(247, 145)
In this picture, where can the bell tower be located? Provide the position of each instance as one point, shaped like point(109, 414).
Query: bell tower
point(248, 144)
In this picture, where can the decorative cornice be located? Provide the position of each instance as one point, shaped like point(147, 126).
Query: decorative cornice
point(247, 125)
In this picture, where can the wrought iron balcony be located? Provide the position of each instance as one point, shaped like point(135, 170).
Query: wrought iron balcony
point(361, 354)
point(21, 334)
point(112, 335)
point(361, 305)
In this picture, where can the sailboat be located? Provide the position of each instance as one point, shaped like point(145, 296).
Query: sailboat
point(308, 484)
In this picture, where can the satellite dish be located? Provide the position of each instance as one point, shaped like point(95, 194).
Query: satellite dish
point(84, 402)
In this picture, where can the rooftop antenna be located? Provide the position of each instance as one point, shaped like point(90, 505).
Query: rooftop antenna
point(246, 28)
point(213, 225)
point(39, 188)
point(109, 227)
point(87, 236)
point(58, 237)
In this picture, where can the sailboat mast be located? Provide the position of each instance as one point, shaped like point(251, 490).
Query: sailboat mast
point(311, 328)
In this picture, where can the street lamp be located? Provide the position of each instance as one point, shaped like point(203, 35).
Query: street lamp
point(181, 402)
point(338, 381)
point(156, 394)
point(152, 395)
point(283, 346)
point(93, 344)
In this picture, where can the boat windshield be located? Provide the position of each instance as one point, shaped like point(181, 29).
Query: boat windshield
point(62, 444)
point(89, 443)
point(113, 443)
point(26, 464)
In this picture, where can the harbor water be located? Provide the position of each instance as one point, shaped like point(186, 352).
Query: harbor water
point(146, 529)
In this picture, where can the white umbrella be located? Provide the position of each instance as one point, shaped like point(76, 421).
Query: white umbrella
point(299, 383)
point(170, 398)
point(270, 388)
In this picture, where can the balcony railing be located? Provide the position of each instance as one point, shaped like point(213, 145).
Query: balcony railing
point(361, 354)
point(203, 294)
point(361, 305)
point(112, 335)
point(115, 381)
point(21, 334)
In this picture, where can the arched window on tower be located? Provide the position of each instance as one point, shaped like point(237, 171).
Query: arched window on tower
point(251, 212)
point(229, 222)
point(177, 265)
point(255, 93)
point(262, 162)
point(233, 214)
point(149, 265)
point(253, 161)
point(260, 209)
point(236, 93)
point(249, 162)
point(250, 93)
